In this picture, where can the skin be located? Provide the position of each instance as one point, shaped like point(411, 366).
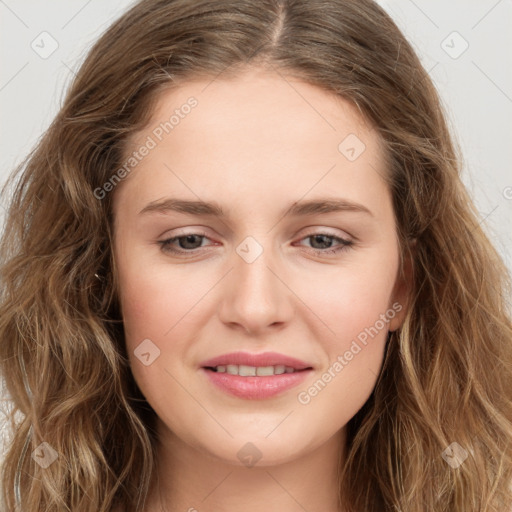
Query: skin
point(255, 144)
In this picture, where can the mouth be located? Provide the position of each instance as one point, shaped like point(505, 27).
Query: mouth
point(255, 371)
point(255, 376)
point(249, 364)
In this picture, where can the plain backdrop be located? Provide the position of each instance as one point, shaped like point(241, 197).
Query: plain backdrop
point(462, 43)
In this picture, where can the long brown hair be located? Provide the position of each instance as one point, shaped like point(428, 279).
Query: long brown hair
point(447, 375)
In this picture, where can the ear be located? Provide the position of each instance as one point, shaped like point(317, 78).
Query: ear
point(401, 296)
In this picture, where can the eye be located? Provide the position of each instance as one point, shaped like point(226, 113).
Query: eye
point(325, 238)
point(187, 242)
point(191, 242)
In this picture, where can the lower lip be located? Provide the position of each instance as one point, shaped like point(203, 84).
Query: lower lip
point(256, 388)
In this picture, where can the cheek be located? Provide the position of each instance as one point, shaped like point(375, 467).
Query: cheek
point(355, 309)
point(152, 306)
point(354, 304)
point(350, 299)
point(153, 297)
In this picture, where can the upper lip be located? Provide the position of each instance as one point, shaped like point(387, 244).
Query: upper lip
point(262, 359)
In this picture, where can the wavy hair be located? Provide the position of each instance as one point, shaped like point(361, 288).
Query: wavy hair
point(447, 372)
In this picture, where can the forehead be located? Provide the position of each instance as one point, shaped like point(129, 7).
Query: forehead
point(254, 133)
point(273, 103)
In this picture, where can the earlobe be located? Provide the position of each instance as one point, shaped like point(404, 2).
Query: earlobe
point(403, 290)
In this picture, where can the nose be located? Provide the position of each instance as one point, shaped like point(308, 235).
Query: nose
point(255, 296)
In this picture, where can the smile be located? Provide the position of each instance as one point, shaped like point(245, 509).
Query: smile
point(254, 371)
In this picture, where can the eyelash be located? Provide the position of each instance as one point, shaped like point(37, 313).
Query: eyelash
point(345, 244)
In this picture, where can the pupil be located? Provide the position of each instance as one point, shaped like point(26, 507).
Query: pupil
point(189, 239)
point(324, 237)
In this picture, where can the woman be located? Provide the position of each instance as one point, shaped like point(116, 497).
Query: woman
point(257, 368)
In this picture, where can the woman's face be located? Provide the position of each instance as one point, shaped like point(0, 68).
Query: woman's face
point(278, 272)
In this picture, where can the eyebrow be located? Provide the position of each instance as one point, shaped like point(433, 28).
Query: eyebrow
point(296, 209)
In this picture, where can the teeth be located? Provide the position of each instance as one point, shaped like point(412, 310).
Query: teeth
point(254, 371)
point(281, 368)
point(246, 371)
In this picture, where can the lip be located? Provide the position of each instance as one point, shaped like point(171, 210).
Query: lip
point(256, 387)
point(263, 359)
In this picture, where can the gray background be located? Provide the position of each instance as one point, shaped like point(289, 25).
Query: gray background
point(475, 84)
